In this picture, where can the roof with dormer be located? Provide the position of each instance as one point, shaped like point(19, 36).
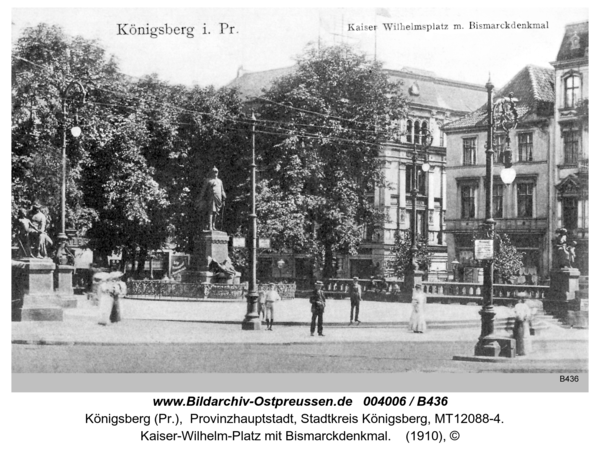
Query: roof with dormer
point(575, 42)
point(533, 87)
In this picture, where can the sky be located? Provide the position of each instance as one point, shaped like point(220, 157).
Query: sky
point(259, 39)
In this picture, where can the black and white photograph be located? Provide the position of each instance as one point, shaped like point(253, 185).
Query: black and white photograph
point(392, 193)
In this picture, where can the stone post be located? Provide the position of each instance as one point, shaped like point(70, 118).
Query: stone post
point(65, 286)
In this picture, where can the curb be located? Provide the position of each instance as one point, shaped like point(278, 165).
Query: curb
point(305, 341)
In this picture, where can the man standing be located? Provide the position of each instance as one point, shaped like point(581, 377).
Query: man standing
point(355, 299)
point(317, 301)
point(212, 197)
point(270, 298)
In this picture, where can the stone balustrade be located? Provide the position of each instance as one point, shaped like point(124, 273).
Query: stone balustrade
point(437, 291)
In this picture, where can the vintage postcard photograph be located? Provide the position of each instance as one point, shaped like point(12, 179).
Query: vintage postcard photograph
point(308, 198)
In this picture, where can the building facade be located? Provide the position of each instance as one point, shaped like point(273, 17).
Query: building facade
point(569, 162)
point(522, 209)
point(550, 156)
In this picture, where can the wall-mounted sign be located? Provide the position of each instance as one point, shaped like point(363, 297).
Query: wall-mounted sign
point(484, 249)
point(239, 242)
point(264, 243)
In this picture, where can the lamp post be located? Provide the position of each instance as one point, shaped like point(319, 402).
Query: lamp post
point(500, 115)
point(252, 319)
point(65, 92)
point(414, 275)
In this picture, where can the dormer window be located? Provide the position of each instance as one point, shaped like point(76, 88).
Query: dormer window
point(575, 41)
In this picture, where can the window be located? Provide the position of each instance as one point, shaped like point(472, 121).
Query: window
point(441, 138)
point(525, 147)
point(469, 151)
point(394, 200)
point(409, 131)
point(525, 199)
point(497, 201)
point(571, 146)
point(467, 194)
point(424, 133)
point(569, 207)
point(572, 91)
point(417, 132)
point(421, 181)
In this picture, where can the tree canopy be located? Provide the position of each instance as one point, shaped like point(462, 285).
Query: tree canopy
point(135, 172)
point(321, 128)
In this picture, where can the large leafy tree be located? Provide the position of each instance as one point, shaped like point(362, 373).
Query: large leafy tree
point(45, 65)
point(320, 131)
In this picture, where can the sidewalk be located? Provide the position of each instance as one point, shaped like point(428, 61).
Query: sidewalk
point(184, 322)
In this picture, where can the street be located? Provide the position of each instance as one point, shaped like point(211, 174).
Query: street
point(345, 357)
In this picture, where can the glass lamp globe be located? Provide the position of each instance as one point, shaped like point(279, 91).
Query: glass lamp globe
point(76, 131)
point(508, 175)
point(426, 167)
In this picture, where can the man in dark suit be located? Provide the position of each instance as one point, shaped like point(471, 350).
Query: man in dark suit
point(317, 301)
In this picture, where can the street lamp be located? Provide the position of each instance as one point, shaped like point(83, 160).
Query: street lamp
point(252, 320)
point(66, 91)
point(500, 115)
point(414, 275)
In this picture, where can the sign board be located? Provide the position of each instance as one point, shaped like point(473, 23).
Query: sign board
point(239, 242)
point(484, 249)
point(264, 243)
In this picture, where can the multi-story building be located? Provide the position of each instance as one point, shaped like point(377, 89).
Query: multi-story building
point(522, 209)
point(433, 102)
point(568, 164)
point(550, 155)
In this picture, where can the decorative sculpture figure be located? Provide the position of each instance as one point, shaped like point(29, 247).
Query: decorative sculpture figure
point(41, 240)
point(564, 254)
point(24, 234)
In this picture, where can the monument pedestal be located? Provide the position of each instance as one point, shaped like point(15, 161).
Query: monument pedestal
point(40, 302)
point(564, 284)
point(209, 243)
point(564, 298)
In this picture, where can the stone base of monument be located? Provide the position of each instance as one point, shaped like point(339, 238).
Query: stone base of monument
point(197, 277)
point(213, 244)
point(41, 308)
point(35, 286)
point(564, 284)
point(564, 299)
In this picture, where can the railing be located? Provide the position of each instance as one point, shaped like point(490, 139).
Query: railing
point(158, 289)
point(437, 291)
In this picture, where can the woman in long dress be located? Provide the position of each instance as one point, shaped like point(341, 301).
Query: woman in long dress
point(110, 291)
point(104, 297)
point(417, 318)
